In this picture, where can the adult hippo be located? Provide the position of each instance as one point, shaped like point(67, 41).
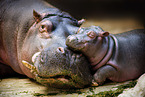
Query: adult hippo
point(118, 57)
point(32, 42)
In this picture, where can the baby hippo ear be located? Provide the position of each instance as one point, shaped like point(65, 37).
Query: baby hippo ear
point(104, 34)
point(38, 17)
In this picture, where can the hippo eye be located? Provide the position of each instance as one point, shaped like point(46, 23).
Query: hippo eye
point(91, 34)
point(42, 26)
point(46, 26)
point(45, 29)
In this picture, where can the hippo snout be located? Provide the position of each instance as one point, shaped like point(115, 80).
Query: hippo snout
point(61, 68)
point(74, 43)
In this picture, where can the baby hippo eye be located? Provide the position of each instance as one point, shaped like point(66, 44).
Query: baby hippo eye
point(46, 26)
point(91, 34)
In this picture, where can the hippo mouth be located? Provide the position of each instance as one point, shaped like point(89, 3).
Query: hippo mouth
point(62, 74)
point(60, 81)
point(63, 80)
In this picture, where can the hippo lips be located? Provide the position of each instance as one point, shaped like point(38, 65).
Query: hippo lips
point(58, 80)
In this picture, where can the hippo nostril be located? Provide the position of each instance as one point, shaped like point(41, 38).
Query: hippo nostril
point(61, 49)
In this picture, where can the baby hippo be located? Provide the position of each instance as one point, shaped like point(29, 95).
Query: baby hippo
point(118, 57)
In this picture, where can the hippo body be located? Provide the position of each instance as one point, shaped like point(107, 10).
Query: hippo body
point(31, 31)
point(118, 57)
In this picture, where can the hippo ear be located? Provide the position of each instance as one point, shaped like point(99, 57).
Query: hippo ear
point(37, 16)
point(80, 22)
point(104, 34)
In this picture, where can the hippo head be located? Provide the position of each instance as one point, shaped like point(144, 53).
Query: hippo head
point(45, 56)
point(86, 38)
point(91, 41)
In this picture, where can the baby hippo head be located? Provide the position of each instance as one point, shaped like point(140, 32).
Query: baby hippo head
point(86, 39)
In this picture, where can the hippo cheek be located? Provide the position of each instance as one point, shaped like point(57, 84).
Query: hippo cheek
point(62, 69)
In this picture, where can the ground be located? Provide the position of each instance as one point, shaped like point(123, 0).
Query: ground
point(15, 87)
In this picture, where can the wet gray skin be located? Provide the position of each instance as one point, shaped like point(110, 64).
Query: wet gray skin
point(32, 43)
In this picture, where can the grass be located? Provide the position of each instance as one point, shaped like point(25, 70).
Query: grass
point(114, 93)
